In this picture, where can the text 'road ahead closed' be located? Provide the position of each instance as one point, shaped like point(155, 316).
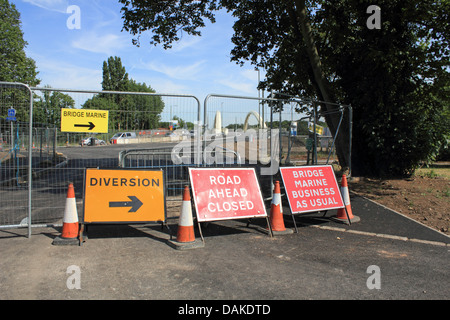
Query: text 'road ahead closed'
point(221, 194)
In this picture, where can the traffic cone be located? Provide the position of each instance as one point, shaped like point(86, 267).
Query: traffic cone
point(341, 215)
point(69, 235)
point(276, 213)
point(185, 233)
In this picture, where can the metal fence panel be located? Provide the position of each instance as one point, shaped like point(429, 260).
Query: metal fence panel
point(16, 153)
point(57, 158)
point(273, 131)
point(245, 125)
point(294, 118)
point(38, 161)
point(175, 161)
point(303, 146)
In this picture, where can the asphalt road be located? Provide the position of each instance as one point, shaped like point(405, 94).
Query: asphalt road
point(385, 256)
point(325, 260)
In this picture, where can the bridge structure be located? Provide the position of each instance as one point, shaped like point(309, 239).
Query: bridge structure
point(218, 121)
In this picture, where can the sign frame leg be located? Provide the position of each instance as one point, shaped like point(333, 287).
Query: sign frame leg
point(200, 231)
point(269, 226)
point(295, 223)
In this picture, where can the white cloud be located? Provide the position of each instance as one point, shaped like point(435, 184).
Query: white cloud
point(52, 5)
point(184, 44)
point(72, 58)
point(250, 74)
point(244, 81)
point(58, 74)
point(246, 87)
point(167, 86)
point(187, 72)
point(108, 44)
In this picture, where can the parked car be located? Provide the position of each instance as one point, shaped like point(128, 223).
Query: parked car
point(122, 135)
point(92, 141)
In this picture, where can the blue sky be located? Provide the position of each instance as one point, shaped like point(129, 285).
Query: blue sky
point(73, 58)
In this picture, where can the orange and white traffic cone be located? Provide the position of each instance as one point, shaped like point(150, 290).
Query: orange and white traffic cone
point(69, 235)
point(341, 215)
point(185, 233)
point(276, 212)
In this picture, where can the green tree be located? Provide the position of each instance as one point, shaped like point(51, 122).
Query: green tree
point(15, 66)
point(47, 108)
point(102, 102)
point(127, 112)
point(393, 76)
point(115, 76)
point(145, 109)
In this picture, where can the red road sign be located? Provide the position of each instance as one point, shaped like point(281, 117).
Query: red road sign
point(311, 188)
point(227, 193)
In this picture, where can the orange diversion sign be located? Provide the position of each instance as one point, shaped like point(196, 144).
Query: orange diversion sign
point(123, 196)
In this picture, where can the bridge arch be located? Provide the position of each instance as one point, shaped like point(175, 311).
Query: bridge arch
point(262, 124)
point(217, 127)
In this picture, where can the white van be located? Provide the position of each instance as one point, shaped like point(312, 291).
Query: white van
point(121, 136)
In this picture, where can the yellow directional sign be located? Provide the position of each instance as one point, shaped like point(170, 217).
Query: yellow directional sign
point(84, 120)
point(117, 195)
point(319, 129)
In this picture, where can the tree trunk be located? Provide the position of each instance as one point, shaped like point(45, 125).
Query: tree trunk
point(302, 28)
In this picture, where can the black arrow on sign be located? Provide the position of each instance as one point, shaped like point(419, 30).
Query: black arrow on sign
point(135, 204)
point(90, 126)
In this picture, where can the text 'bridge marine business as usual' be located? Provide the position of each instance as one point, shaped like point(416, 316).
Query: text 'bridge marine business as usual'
point(311, 188)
